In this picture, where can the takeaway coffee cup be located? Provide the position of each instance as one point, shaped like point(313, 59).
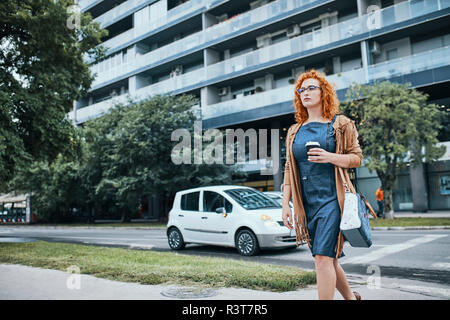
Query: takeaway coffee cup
point(311, 144)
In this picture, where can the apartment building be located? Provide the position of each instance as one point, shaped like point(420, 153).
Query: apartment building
point(241, 59)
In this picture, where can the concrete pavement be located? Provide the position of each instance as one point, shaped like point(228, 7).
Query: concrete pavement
point(428, 214)
point(19, 282)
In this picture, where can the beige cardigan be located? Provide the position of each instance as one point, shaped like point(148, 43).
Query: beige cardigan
point(346, 143)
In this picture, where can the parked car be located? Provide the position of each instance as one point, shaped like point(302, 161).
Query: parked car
point(232, 216)
point(278, 197)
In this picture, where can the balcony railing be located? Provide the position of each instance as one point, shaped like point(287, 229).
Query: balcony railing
point(185, 9)
point(129, 6)
point(197, 40)
point(326, 36)
point(86, 3)
point(274, 96)
point(418, 62)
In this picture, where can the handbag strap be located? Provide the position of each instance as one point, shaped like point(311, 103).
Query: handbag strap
point(347, 189)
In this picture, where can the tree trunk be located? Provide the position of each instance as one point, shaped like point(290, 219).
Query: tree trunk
point(388, 211)
point(125, 216)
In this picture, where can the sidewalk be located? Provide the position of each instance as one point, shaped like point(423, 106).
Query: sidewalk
point(428, 214)
point(397, 214)
point(28, 283)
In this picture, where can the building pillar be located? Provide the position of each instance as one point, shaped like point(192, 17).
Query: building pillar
point(418, 187)
point(277, 176)
point(366, 59)
point(210, 56)
point(208, 20)
point(209, 95)
point(269, 80)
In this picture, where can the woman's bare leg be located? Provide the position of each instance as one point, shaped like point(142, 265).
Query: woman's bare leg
point(341, 282)
point(326, 277)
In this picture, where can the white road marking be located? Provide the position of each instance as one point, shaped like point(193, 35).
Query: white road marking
point(380, 253)
point(441, 265)
point(426, 290)
point(95, 238)
point(141, 246)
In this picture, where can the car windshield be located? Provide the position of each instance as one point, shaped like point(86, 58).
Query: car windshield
point(252, 199)
point(276, 198)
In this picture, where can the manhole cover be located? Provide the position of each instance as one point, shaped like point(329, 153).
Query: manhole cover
point(11, 239)
point(188, 293)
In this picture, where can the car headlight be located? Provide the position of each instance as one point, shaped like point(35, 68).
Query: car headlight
point(265, 217)
point(268, 221)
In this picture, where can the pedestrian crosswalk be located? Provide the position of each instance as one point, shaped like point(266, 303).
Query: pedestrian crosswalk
point(377, 254)
point(441, 265)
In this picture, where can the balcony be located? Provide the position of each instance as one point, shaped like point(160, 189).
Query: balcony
point(198, 41)
point(86, 4)
point(295, 48)
point(275, 96)
point(121, 11)
point(131, 36)
point(423, 61)
point(383, 71)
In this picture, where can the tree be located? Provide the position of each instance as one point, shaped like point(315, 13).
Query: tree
point(57, 188)
point(124, 158)
point(42, 71)
point(130, 152)
point(396, 127)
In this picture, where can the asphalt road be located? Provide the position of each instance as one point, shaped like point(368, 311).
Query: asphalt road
point(416, 258)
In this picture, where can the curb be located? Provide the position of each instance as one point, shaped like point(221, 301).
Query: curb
point(159, 228)
point(412, 228)
point(80, 227)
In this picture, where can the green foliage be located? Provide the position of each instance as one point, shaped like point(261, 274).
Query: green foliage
point(152, 267)
point(396, 128)
point(124, 158)
point(134, 152)
point(42, 72)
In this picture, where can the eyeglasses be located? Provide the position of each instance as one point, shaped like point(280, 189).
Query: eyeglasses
point(308, 88)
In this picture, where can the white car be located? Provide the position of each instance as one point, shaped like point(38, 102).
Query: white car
point(232, 216)
point(278, 197)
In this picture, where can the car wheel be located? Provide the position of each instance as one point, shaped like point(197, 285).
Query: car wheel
point(247, 243)
point(175, 238)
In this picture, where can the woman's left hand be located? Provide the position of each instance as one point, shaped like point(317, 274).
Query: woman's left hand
point(319, 155)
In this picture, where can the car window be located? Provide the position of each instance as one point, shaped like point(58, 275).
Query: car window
point(252, 199)
point(189, 201)
point(213, 200)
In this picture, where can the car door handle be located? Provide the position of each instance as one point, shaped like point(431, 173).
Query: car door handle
point(204, 217)
point(180, 215)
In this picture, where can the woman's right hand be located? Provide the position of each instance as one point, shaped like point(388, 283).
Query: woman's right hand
point(287, 217)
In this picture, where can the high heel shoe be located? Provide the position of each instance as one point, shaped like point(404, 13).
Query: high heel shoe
point(357, 295)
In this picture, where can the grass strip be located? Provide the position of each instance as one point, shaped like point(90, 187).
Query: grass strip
point(151, 267)
point(397, 222)
point(409, 222)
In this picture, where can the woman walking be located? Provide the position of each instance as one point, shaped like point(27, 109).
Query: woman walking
point(312, 179)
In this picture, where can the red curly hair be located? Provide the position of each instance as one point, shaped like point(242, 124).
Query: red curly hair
point(330, 102)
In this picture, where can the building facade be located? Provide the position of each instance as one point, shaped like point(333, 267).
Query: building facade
point(241, 59)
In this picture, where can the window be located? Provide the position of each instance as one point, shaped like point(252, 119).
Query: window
point(311, 27)
point(213, 200)
point(392, 54)
point(189, 201)
point(251, 199)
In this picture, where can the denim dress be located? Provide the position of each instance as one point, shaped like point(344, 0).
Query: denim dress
point(318, 184)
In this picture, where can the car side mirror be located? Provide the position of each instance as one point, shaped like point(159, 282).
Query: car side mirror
point(221, 210)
